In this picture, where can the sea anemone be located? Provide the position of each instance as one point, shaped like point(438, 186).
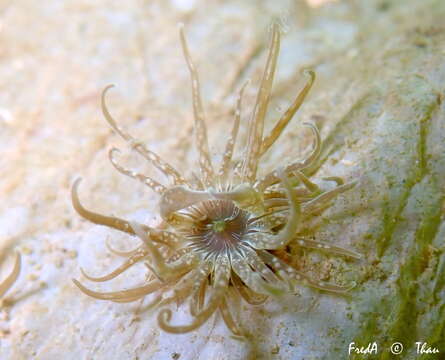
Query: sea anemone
point(12, 277)
point(227, 232)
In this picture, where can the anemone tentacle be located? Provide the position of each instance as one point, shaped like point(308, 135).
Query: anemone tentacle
point(256, 124)
point(263, 240)
point(324, 246)
point(246, 293)
point(135, 293)
point(182, 288)
point(228, 318)
point(327, 196)
point(275, 133)
point(12, 277)
point(228, 152)
point(251, 279)
point(289, 274)
point(199, 289)
point(132, 260)
point(221, 279)
point(272, 177)
point(159, 266)
point(200, 126)
point(96, 218)
point(120, 252)
point(160, 164)
point(153, 184)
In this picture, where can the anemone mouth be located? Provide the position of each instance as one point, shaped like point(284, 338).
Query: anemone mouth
point(218, 225)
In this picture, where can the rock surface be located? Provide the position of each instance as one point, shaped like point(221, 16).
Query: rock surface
point(378, 101)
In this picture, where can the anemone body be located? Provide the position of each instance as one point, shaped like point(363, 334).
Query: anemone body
point(225, 234)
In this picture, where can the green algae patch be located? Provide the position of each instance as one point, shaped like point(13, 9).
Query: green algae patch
point(406, 237)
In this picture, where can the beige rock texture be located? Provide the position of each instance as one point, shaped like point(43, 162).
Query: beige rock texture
point(378, 100)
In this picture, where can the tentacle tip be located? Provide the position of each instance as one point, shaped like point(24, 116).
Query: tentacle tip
point(155, 273)
point(82, 288)
point(164, 315)
point(311, 125)
point(275, 25)
point(84, 273)
point(281, 174)
point(240, 336)
point(74, 194)
point(352, 184)
point(76, 183)
point(113, 151)
point(309, 72)
point(273, 290)
point(104, 93)
point(106, 88)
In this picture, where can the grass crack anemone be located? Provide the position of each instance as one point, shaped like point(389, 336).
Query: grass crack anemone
point(225, 234)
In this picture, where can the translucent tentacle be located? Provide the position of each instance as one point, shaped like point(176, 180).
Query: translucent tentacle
point(129, 300)
point(152, 304)
point(12, 277)
point(227, 157)
point(273, 203)
point(328, 247)
point(178, 255)
point(135, 293)
point(315, 153)
point(248, 295)
point(180, 197)
point(290, 274)
point(314, 188)
point(288, 115)
point(243, 195)
point(261, 240)
point(96, 218)
point(252, 279)
point(162, 237)
point(338, 180)
point(153, 184)
point(198, 300)
point(228, 319)
point(219, 286)
point(256, 124)
point(119, 252)
point(199, 289)
point(200, 127)
point(273, 219)
point(258, 265)
point(182, 289)
point(134, 259)
point(313, 205)
point(302, 193)
point(272, 177)
point(163, 270)
point(164, 167)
